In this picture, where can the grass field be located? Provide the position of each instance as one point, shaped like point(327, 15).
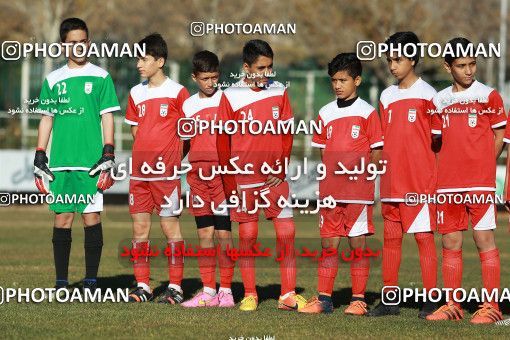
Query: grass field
point(26, 260)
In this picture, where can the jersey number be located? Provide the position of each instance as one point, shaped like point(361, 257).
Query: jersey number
point(141, 110)
point(440, 217)
point(61, 88)
point(248, 116)
point(446, 121)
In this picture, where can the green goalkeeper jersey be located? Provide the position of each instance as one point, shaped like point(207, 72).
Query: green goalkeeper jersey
point(76, 98)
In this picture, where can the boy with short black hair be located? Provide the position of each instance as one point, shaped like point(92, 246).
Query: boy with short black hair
point(153, 110)
point(470, 123)
point(256, 97)
point(212, 219)
point(350, 134)
point(406, 113)
point(76, 101)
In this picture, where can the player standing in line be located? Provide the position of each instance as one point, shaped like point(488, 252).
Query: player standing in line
point(351, 133)
point(470, 121)
point(506, 140)
point(153, 110)
point(257, 98)
point(406, 112)
point(203, 156)
point(76, 100)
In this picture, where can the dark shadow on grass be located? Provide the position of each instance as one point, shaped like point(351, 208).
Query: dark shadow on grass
point(189, 287)
point(342, 297)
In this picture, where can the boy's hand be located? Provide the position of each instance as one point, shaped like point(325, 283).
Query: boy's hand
point(106, 162)
point(105, 180)
point(41, 170)
point(273, 181)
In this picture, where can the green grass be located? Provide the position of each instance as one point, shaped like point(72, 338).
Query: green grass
point(26, 260)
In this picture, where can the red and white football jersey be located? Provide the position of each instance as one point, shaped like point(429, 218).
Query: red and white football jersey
point(156, 111)
point(203, 145)
point(270, 105)
point(466, 121)
point(347, 135)
point(406, 118)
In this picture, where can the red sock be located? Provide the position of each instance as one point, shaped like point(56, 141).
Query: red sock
point(226, 269)
point(392, 252)
point(207, 267)
point(491, 272)
point(452, 270)
point(327, 270)
point(428, 259)
point(142, 266)
point(247, 238)
point(359, 274)
point(285, 234)
point(175, 263)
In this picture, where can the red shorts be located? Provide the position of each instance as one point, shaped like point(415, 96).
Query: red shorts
point(251, 195)
point(164, 196)
point(414, 219)
point(210, 192)
point(346, 220)
point(453, 215)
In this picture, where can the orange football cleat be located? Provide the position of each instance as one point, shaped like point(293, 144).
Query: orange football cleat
point(357, 307)
point(487, 313)
point(450, 311)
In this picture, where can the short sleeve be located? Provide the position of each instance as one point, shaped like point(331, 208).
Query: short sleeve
point(225, 111)
point(506, 138)
point(286, 108)
point(384, 117)
point(47, 100)
point(496, 110)
point(319, 137)
point(374, 131)
point(108, 101)
point(131, 113)
point(181, 98)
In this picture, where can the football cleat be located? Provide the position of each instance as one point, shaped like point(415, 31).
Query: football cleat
point(316, 306)
point(225, 299)
point(171, 296)
point(292, 302)
point(201, 299)
point(357, 307)
point(486, 314)
point(450, 311)
point(139, 295)
point(249, 303)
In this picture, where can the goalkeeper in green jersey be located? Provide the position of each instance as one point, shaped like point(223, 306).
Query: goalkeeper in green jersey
point(77, 102)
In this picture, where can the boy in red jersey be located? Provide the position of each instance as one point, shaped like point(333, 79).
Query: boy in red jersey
point(257, 98)
point(153, 111)
point(470, 120)
point(351, 133)
point(203, 156)
point(406, 112)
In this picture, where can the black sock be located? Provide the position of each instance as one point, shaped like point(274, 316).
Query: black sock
point(93, 247)
point(61, 250)
point(325, 298)
point(358, 298)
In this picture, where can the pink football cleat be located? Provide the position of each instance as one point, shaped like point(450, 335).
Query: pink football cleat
point(202, 299)
point(225, 300)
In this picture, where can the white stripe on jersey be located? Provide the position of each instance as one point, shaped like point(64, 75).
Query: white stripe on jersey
point(359, 108)
point(194, 104)
point(419, 90)
point(239, 95)
point(65, 72)
point(476, 92)
point(142, 91)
